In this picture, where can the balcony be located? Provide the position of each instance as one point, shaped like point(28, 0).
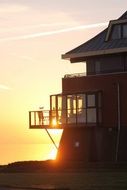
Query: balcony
point(44, 120)
point(72, 110)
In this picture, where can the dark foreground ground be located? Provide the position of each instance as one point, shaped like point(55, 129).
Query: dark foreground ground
point(24, 176)
point(74, 181)
point(28, 188)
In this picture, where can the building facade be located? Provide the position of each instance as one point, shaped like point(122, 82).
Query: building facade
point(92, 108)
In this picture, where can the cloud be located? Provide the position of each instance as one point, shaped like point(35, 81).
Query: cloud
point(49, 33)
point(26, 58)
point(34, 26)
point(8, 8)
point(4, 87)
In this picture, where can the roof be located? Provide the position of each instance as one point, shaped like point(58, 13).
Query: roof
point(100, 44)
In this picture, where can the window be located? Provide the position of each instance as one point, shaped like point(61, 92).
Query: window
point(124, 30)
point(53, 102)
point(71, 108)
point(64, 110)
point(81, 102)
point(97, 67)
point(119, 31)
point(59, 106)
point(84, 108)
point(116, 32)
point(53, 109)
point(91, 115)
point(81, 108)
point(77, 109)
point(91, 100)
point(74, 105)
point(91, 108)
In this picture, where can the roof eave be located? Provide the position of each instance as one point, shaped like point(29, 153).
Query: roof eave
point(94, 53)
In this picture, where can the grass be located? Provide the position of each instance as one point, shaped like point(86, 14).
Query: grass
point(92, 180)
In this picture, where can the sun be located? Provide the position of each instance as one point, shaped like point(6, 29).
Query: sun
point(52, 154)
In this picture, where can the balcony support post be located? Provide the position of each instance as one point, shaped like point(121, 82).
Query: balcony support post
point(51, 139)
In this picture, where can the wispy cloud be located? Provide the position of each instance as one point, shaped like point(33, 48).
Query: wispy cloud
point(14, 8)
point(25, 57)
point(4, 87)
point(53, 32)
point(34, 26)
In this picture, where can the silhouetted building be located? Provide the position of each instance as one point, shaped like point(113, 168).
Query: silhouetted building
point(92, 108)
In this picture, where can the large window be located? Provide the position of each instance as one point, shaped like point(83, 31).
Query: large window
point(125, 31)
point(105, 64)
point(71, 108)
point(77, 109)
point(116, 32)
point(119, 31)
point(91, 108)
point(81, 108)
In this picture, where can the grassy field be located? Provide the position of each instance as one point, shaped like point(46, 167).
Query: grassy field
point(109, 180)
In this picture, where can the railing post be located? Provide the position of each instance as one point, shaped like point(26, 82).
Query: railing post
point(34, 118)
point(29, 119)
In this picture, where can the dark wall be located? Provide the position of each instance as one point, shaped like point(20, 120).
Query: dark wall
point(89, 144)
point(108, 85)
point(98, 143)
point(94, 145)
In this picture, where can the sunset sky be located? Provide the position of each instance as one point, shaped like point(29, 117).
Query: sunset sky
point(33, 35)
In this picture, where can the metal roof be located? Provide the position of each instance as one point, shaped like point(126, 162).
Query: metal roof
point(99, 45)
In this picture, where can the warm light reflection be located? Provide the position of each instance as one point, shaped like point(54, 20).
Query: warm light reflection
point(52, 154)
point(54, 122)
point(56, 132)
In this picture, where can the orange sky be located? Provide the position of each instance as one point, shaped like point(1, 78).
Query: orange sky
point(33, 35)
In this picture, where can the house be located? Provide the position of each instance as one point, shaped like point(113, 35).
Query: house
point(92, 108)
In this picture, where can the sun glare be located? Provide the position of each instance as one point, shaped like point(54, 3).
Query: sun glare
point(54, 122)
point(52, 154)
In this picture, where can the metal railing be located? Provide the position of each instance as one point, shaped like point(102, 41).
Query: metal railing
point(44, 119)
point(38, 118)
point(107, 72)
point(75, 75)
point(52, 119)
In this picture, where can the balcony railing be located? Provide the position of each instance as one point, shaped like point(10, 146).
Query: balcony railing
point(37, 120)
point(85, 74)
point(74, 75)
point(44, 119)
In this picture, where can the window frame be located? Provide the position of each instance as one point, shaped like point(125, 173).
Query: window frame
point(77, 117)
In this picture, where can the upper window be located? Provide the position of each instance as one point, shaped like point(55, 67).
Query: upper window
point(119, 31)
point(116, 32)
point(124, 30)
